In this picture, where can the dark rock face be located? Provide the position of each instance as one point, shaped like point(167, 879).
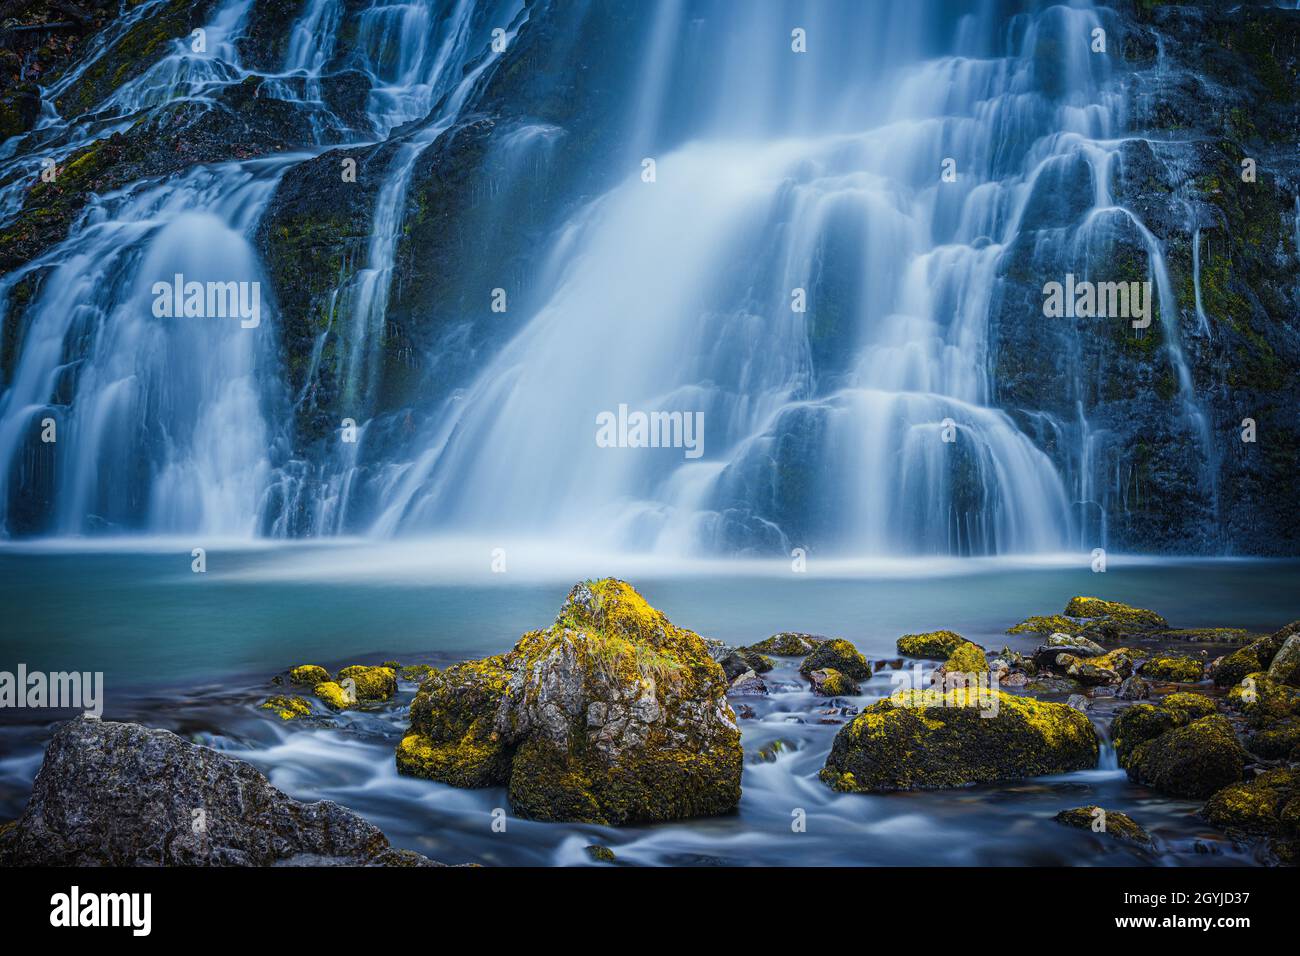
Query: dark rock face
point(1222, 92)
point(113, 794)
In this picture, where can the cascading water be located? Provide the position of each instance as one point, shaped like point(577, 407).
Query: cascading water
point(814, 268)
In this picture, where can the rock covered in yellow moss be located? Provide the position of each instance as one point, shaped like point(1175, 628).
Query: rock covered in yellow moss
point(308, 675)
point(1183, 670)
point(1112, 823)
point(287, 708)
point(334, 696)
point(931, 645)
point(1115, 616)
point(787, 644)
point(1191, 760)
point(838, 655)
point(828, 682)
point(370, 683)
point(921, 739)
point(611, 715)
point(1255, 656)
point(1268, 806)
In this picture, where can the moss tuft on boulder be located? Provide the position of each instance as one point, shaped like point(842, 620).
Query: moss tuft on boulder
point(918, 740)
point(1047, 624)
point(932, 645)
point(611, 715)
point(839, 655)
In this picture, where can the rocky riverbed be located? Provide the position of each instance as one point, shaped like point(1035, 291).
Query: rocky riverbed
point(614, 716)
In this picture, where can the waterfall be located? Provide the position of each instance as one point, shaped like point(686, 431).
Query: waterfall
point(813, 226)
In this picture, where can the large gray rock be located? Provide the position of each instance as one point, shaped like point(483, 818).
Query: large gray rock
point(113, 794)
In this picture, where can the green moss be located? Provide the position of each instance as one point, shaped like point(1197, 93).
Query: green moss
point(473, 761)
point(1262, 700)
point(416, 672)
point(309, 675)
point(287, 708)
point(838, 655)
point(932, 645)
point(925, 739)
point(1185, 670)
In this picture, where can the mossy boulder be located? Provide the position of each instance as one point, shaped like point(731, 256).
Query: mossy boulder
point(837, 654)
point(932, 645)
point(829, 682)
point(1268, 806)
point(334, 696)
point(1113, 823)
point(599, 853)
point(1278, 740)
point(1112, 667)
point(787, 644)
point(1262, 700)
point(416, 672)
point(309, 675)
point(1184, 670)
point(286, 707)
point(1255, 656)
point(1138, 724)
point(1193, 760)
point(1192, 706)
point(1119, 617)
point(611, 715)
point(371, 683)
point(919, 739)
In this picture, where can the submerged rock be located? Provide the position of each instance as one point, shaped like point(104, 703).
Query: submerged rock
point(1113, 823)
point(838, 655)
point(924, 740)
point(932, 645)
point(599, 853)
point(611, 715)
point(114, 794)
point(747, 684)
